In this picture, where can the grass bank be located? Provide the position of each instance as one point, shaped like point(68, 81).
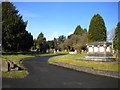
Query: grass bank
point(18, 59)
point(70, 59)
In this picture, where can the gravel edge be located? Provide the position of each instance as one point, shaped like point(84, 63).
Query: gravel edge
point(112, 74)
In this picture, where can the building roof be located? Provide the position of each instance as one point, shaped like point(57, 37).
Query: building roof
point(100, 43)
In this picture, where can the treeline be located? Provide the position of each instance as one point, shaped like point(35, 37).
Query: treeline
point(16, 38)
point(76, 41)
point(40, 44)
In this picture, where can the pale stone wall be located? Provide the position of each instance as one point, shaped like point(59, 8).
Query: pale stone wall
point(90, 49)
point(95, 49)
point(108, 49)
point(101, 49)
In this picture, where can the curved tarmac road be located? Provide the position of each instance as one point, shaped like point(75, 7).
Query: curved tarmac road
point(44, 75)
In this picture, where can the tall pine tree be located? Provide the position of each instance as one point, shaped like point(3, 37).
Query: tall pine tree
point(78, 30)
point(97, 29)
point(14, 34)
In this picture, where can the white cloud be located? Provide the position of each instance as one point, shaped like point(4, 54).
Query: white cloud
point(29, 14)
point(70, 33)
point(53, 35)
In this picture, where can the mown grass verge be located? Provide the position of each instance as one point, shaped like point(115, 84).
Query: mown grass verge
point(52, 54)
point(18, 59)
point(15, 74)
point(70, 59)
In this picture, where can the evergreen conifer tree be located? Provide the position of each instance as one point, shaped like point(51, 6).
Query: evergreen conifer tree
point(97, 29)
point(78, 30)
point(14, 34)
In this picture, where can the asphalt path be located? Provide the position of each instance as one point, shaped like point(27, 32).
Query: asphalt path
point(44, 75)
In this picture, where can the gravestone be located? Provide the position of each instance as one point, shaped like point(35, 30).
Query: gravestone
point(8, 65)
point(73, 52)
point(4, 66)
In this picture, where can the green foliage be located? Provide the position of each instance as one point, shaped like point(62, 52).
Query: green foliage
point(76, 41)
point(41, 43)
point(84, 30)
point(69, 36)
point(14, 34)
point(60, 42)
point(78, 30)
point(34, 47)
point(116, 39)
point(51, 44)
point(97, 29)
point(55, 43)
point(61, 39)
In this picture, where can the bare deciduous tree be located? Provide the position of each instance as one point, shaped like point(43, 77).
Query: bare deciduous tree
point(110, 34)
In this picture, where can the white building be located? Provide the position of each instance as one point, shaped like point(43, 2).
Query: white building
point(99, 47)
point(99, 51)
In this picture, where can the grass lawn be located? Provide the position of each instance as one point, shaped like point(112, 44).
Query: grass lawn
point(52, 54)
point(18, 59)
point(70, 59)
point(15, 74)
